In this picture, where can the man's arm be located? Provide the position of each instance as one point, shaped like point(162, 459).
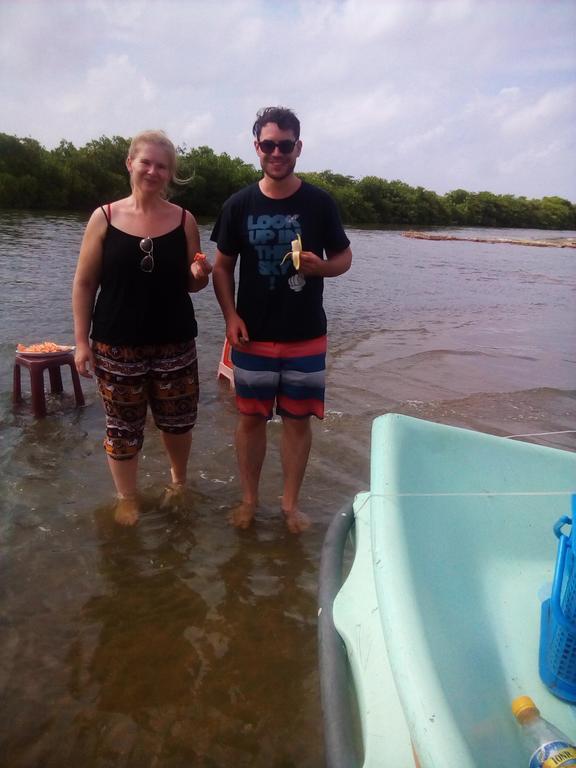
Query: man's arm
point(223, 279)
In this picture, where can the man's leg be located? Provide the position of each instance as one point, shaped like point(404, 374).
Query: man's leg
point(295, 450)
point(301, 395)
point(250, 453)
point(256, 379)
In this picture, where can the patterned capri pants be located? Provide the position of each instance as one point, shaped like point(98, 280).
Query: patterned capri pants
point(162, 376)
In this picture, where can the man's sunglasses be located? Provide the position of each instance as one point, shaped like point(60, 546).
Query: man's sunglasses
point(147, 263)
point(286, 146)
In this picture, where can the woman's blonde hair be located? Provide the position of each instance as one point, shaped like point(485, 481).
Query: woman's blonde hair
point(160, 139)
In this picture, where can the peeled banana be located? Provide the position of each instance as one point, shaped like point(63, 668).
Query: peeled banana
point(294, 254)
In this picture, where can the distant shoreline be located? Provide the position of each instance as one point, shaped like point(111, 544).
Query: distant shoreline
point(552, 242)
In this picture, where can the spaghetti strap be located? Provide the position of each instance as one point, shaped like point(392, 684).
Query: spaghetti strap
point(183, 217)
point(107, 215)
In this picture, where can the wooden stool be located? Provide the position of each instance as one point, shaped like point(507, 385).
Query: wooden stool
point(37, 365)
point(225, 366)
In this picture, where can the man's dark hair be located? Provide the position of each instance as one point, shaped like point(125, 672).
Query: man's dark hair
point(284, 118)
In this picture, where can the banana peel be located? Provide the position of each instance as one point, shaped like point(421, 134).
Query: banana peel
point(294, 254)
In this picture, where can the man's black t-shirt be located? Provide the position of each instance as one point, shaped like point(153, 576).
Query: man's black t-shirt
point(275, 302)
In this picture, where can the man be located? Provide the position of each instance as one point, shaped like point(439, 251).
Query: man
point(277, 328)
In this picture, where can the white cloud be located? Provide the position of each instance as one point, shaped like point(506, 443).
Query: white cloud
point(421, 140)
point(530, 158)
point(196, 130)
point(438, 93)
point(543, 113)
point(356, 22)
point(117, 83)
point(448, 11)
point(353, 118)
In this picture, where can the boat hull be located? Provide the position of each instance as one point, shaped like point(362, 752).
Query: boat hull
point(440, 613)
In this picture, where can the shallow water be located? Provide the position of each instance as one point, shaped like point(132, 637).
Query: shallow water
point(183, 642)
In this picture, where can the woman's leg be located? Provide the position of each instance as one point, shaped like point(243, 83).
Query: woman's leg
point(124, 474)
point(173, 398)
point(178, 450)
point(119, 374)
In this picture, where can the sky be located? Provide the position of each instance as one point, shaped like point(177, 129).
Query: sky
point(443, 94)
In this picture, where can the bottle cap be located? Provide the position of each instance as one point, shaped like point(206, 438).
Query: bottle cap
point(521, 704)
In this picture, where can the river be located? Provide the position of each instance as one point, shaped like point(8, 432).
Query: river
point(182, 642)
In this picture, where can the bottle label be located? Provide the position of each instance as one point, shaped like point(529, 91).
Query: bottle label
point(555, 754)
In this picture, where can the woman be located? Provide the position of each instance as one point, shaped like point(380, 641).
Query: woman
point(142, 254)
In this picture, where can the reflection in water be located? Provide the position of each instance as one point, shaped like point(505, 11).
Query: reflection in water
point(177, 653)
point(143, 617)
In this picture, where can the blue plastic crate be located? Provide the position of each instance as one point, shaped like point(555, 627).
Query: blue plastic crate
point(558, 618)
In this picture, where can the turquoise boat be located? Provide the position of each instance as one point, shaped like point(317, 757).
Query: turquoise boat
point(435, 628)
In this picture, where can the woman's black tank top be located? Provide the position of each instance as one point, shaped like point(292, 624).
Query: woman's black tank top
point(134, 307)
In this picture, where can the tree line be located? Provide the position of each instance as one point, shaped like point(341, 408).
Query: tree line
point(71, 178)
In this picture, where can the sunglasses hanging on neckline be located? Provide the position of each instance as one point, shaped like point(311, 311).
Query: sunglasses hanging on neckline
point(147, 247)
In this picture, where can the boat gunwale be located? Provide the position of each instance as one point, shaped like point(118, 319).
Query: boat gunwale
point(339, 742)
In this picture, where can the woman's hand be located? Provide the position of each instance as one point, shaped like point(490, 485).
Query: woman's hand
point(200, 267)
point(84, 360)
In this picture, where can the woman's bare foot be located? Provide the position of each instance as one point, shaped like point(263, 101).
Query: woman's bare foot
point(242, 515)
point(177, 481)
point(127, 511)
point(173, 494)
point(296, 521)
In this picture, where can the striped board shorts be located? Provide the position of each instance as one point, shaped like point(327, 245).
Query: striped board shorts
point(291, 374)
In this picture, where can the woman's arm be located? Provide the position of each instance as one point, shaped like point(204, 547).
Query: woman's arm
point(84, 288)
point(200, 269)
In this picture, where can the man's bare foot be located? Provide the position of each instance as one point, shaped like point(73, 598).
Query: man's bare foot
point(296, 521)
point(243, 515)
point(127, 511)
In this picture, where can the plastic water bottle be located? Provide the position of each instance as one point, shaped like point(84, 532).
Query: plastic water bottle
point(548, 747)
